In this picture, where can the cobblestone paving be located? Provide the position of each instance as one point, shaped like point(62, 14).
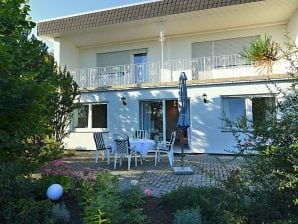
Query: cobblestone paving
point(208, 169)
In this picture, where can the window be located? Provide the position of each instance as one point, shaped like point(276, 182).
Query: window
point(80, 117)
point(236, 111)
point(99, 116)
point(220, 47)
point(220, 53)
point(90, 116)
point(261, 108)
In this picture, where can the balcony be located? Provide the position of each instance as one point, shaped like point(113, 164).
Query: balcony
point(198, 70)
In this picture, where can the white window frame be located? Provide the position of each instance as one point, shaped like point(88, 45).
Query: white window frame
point(89, 128)
point(248, 109)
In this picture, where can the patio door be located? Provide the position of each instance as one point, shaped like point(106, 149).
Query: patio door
point(159, 119)
point(140, 67)
point(152, 118)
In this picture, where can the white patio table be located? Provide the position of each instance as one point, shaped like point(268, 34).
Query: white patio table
point(140, 145)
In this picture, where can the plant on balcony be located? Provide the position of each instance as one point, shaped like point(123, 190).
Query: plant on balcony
point(263, 52)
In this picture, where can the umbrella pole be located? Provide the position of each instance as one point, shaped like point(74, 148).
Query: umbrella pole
point(182, 148)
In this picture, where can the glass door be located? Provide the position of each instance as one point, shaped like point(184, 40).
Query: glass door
point(140, 67)
point(159, 119)
point(152, 118)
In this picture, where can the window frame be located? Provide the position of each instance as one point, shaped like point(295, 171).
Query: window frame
point(90, 114)
point(248, 110)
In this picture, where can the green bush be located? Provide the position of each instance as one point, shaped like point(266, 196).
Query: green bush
point(132, 200)
point(99, 198)
point(270, 150)
point(209, 199)
point(60, 214)
point(133, 197)
point(217, 205)
point(191, 197)
point(51, 150)
point(133, 216)
point(188, 216)
point(27, 211)
point(55, 172)
point(18, 198)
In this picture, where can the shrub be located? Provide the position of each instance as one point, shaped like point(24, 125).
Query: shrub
point(270, 167)
point(55, 172)
point(270, 149)
point(99, 198)
point(133, 216)
point(28, 211)
point(209, 199)
point(19, 202)
point(133, 197)
point(132, 200)
point(188, 216)
point(60, 214)
point(50, 150)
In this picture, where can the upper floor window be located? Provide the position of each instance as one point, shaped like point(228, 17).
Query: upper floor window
point(237, 111)
point(90, 116)
point(221, 53)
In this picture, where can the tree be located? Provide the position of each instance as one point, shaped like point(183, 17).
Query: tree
point(61, 104)
point(271, 150)
point(32, 90)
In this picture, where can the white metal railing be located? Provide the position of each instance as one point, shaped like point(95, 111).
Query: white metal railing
point(204, 68)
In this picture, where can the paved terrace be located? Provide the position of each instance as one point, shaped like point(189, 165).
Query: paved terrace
point(208, 169)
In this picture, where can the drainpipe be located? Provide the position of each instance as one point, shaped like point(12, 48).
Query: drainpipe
point(162, 39)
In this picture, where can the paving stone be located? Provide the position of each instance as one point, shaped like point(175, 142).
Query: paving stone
point(208, 170)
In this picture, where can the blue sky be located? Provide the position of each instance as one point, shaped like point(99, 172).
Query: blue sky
point(47, 9)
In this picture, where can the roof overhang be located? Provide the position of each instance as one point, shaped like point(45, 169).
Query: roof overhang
point(129, 24)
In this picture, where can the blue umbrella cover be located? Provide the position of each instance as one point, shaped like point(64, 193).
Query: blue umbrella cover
point(183, 120)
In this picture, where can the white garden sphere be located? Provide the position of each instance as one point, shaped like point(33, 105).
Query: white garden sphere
point(54, 192)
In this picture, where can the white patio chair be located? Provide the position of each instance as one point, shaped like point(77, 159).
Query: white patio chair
point(123, 150)
point(101, 146)
point(140, 134)
point(167, 148)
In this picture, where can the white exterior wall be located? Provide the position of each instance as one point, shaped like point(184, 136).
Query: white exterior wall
point(66, 53)
point(293, 27)
point(175, 47)
point(87, 56)
point(206, 135)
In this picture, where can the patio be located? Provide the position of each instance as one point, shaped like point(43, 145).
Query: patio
point(208, 169)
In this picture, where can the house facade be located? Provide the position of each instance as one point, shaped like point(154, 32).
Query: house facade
point(127, 62)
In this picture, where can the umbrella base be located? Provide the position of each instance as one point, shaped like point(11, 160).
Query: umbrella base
point(183, 170)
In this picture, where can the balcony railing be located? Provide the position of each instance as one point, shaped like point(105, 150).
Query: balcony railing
point(204, 68)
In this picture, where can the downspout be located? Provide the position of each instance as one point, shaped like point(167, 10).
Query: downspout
point(162, 39)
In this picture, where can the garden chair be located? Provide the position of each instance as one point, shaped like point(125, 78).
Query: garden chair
point(101, 146)
point(123, 150)
point(167, 148)
point(140, 134)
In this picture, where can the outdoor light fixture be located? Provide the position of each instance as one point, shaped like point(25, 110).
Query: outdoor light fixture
point(204, 97)
point(123, 100)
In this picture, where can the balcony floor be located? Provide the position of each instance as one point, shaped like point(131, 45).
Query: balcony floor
point(190, 82)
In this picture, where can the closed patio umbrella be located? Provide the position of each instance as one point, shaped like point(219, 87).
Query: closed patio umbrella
point(183, 119)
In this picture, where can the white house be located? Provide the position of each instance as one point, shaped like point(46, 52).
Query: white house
point(127, 61)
